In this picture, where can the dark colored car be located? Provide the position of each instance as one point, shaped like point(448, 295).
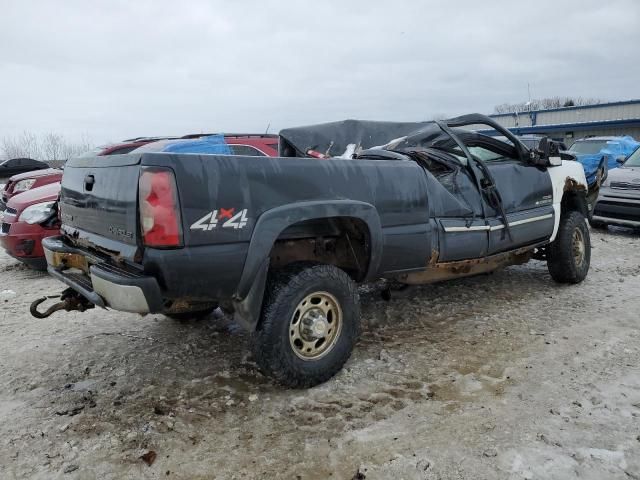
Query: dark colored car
point(282, 242)
point(14, 166)
point(619, 199)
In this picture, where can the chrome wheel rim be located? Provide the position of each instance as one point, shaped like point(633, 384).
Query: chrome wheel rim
point(578, 247)
point(315, 325)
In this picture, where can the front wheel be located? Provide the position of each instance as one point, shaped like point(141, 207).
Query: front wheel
point(309, 325)
point(569, 255)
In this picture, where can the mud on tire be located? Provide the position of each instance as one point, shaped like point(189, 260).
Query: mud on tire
point(309, 324)
point(569, 255)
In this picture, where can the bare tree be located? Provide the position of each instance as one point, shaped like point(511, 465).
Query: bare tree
point(51, 146)
point(545, 104)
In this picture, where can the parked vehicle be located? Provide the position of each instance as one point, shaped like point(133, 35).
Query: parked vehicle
point(254, 145)
point(29, 217)
point(532, 142)
point(598, 155)
point(22, 240)
point(14, 166)
point(619, 199)
point(26, 181)
point(282, 242)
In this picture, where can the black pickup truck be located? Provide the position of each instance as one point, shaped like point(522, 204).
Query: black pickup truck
point(281, 243)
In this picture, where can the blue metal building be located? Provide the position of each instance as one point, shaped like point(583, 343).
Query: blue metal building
point(571, 123)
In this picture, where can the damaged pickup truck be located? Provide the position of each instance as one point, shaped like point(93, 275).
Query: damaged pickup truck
point(281, 243)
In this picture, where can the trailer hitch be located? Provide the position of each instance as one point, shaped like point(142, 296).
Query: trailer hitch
point(70, 300)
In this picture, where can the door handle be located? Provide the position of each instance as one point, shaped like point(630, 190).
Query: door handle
point(89, 180)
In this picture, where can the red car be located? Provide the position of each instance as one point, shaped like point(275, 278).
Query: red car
point(26, 181)
point(249, 144)
point(30, 215)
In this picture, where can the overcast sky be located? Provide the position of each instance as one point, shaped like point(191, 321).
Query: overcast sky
point(117, 69)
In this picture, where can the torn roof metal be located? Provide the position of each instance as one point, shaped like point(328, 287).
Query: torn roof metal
point(333, 139)
point(341, 139)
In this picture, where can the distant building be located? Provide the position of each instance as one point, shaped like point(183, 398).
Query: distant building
point(571, 123)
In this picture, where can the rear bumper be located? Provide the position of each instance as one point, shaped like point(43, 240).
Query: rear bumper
point(617, 210)
point(102, 283)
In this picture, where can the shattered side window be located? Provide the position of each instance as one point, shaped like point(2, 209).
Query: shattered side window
point(485, 155)
point(482, 153)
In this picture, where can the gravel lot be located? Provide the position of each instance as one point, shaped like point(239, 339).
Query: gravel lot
point(499, 376)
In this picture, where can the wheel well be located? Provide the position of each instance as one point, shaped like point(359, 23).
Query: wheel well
point(340, 241)
point(575, 200)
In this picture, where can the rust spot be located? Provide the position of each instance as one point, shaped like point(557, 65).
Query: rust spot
point(433, 260)
point(436, 272)
point(189, 304)
point(571, 185)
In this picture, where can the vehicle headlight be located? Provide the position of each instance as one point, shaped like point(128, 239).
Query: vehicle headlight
point(37, 213)
point(24, 185)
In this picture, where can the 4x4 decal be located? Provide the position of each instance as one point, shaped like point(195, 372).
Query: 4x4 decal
point(214, 218)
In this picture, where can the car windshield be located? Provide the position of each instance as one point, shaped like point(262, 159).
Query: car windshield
point(634, 159)
point(588, 146)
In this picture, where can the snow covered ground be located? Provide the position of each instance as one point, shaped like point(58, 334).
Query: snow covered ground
point(504, 376)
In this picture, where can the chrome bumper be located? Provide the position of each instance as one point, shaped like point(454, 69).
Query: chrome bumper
point(102, 283)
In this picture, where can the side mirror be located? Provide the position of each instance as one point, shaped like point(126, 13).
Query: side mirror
point(621, 159)
point(548, 152)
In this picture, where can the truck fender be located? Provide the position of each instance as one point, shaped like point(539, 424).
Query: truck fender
point(273, 222)
point(568, 180)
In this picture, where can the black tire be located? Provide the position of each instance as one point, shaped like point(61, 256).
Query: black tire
point(191, 316)
point(274, 343)
point(564, 262)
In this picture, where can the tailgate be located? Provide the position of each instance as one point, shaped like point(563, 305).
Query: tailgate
point(98, 201)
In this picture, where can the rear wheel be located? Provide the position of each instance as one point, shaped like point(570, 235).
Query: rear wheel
point(309, 324)
point(569, 256)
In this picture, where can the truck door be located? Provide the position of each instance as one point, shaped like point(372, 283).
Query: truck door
point(527, 201)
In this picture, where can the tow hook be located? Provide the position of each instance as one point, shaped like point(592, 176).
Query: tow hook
point(70, 300)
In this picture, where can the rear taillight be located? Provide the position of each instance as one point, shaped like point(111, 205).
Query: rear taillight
point(159, 208)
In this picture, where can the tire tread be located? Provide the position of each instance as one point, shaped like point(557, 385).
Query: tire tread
point(283, 287)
